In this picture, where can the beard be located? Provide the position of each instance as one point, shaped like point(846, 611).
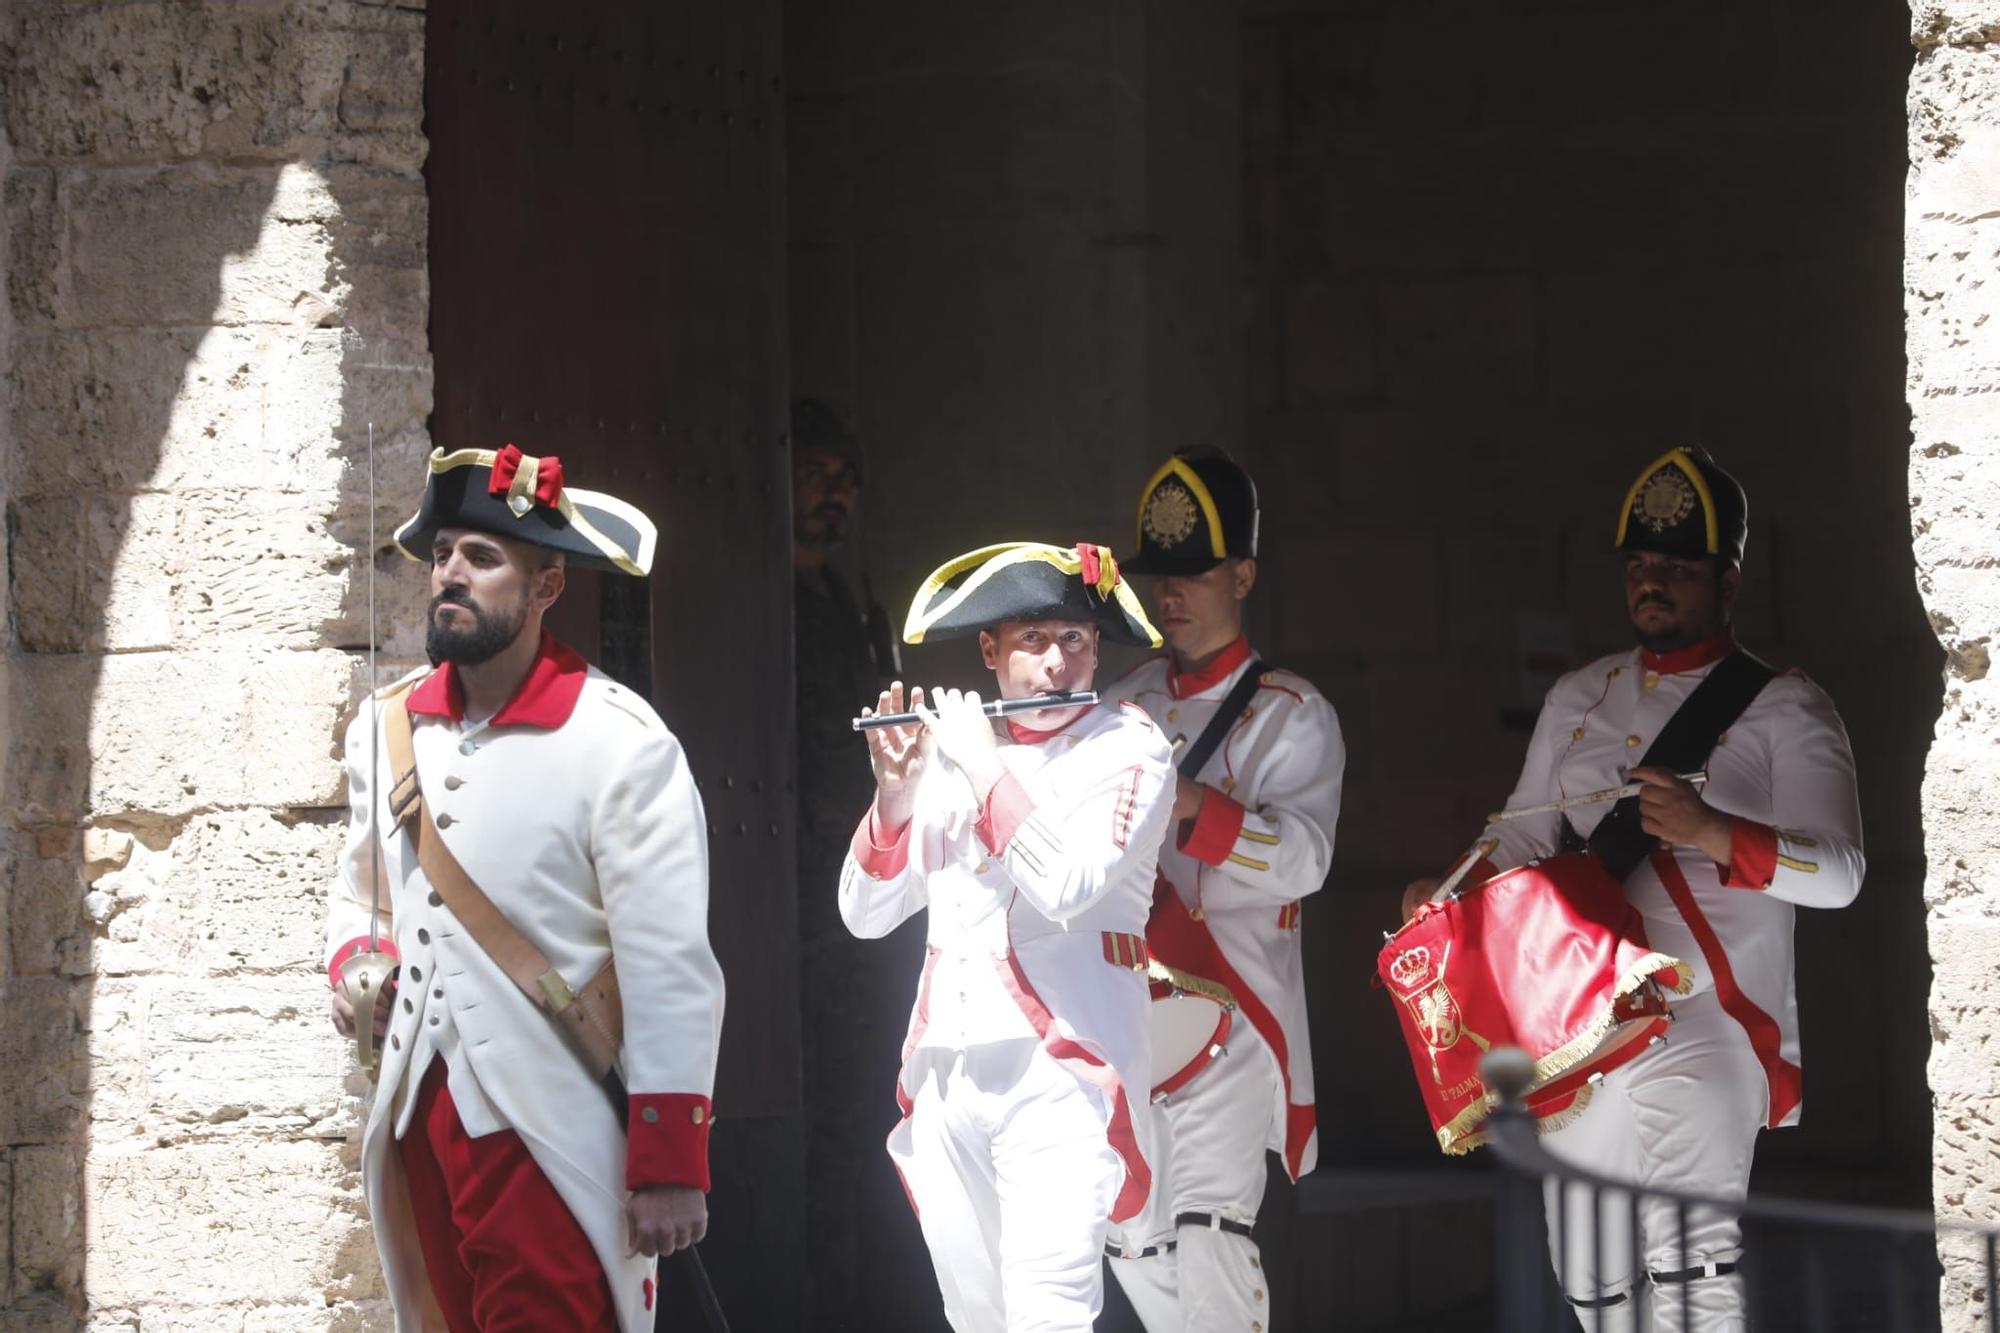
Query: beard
point(821, 529)
point(489, 634)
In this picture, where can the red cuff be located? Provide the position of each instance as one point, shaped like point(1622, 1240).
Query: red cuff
point(359, 944)
point(1753, 855)
point(879, 860)
point(1007, 806)
point(667, 1140)
point(1211, 835)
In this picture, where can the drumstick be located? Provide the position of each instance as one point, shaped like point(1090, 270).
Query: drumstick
point(1480, 851)
point(1588, 798)
point(994, 708)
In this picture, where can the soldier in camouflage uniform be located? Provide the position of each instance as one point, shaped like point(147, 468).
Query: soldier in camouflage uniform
point(850, 994)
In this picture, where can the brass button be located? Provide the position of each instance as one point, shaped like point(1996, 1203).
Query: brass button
point(1249, 711)
point(423, 936)
point(434, 1020)
point(1256, 1327)
point(699, 1114)
point(984, 866)
point(1173, 715)
point(1576, 735)
point(408, 1008)
point(1229, 784)
point(1196, 914)
point(1652, 680)
point(453, 782)
point(434, 900)
point(1255, 1262)
point(438, 994)
point(1613, 673)
point(1257, 1295)
point(446, 821)
point(416, 974)
point(1723, 739)
point(651, 1115)
point(1632, 742)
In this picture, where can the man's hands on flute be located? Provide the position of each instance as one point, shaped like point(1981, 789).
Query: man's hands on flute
point(897, 754)
point(964, 735)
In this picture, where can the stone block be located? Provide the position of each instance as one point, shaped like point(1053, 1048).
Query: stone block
point(254, 887)
point(47, 1220)
point(33, 245)
point(232, 1055)
point(384, 84)
point(1467, 338)
point(173, 732)
point(148, 81)
point(167, 410)
point(246, 1221)
point(47, 1059)
point(259, 568)
point(47, 573)
point(45, 915)
point(186, 244)
point(1331, 341)
point(131, 569)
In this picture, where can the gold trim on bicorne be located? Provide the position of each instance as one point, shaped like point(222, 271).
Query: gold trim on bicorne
point(1176, 467)
point(1683, 460)
point(1452, 1135)
point(990, 560)
point(570, 504)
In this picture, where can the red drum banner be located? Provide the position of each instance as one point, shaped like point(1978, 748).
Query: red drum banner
point(1549, 957)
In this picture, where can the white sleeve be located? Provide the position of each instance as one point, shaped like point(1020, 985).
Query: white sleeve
point(1279, 850)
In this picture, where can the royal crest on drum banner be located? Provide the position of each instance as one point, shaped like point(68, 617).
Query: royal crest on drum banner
point(1170, 514)
point(1436, 1013)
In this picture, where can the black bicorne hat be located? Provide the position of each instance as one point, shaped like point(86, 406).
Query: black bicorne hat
point(1028, 581)
point(1198, 510)
point(1684, 504)
point(512, 494)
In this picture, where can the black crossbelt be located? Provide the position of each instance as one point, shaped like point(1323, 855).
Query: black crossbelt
point(1233, 704)
point(1682, 746)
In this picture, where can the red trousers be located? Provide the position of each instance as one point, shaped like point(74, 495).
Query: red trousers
point(503, 1252)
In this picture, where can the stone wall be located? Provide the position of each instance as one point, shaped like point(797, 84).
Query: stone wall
point(215, 243)
point(1951, 295)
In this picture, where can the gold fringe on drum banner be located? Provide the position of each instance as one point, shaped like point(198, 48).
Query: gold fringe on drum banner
point(1458, 1136)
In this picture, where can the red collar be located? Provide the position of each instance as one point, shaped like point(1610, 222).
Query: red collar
point(1690, 658)
point(1181, 684)
point(546, 697)
point(1029, 736)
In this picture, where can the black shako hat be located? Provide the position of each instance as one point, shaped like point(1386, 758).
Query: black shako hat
point(1028, 581)
point(1684, 504)
point(1198, 510)
point(512, 494)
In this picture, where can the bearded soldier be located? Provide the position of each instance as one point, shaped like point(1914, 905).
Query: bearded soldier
point(1717, 873)
point(533, 821)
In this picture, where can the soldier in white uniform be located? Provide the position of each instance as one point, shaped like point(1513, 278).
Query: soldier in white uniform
point(1252, 835)
point(1717, 874)
point(504, 1193)
point(1024, 1069)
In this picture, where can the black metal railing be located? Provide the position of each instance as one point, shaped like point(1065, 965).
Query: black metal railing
point(1819, 1266)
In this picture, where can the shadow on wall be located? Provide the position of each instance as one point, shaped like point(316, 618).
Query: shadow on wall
point(198, 317)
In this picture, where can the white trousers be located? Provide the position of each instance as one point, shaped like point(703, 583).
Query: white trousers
point(1013, 1177)
point(1684, 1115)
point(1211, 1138)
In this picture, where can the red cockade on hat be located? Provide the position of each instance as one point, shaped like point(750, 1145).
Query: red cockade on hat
point(526, 478)
point(1099, 568)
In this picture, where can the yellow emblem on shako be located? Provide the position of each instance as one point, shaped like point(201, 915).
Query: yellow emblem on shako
point(1665, 500)
point(1170, 514)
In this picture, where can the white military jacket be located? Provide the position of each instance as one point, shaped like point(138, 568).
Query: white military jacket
point(1783, 773)
point(573, 810)
point(1037, 908)
point(1262, 842)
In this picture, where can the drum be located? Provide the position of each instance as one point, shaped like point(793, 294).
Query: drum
point(1191, 1021)
point(1550, 957)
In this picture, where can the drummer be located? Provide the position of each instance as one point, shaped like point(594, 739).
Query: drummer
point(1031, 854)
point(1776, 827)
point(1254, 808)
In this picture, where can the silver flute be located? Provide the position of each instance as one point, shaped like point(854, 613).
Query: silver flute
point(996, 708)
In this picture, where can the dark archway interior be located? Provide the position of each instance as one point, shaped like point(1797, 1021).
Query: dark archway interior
point(1445, 274)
